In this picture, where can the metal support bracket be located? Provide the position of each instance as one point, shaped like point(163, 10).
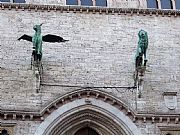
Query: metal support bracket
point(37, 67)
point(138, 79)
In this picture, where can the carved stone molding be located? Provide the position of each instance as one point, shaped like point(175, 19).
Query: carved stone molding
point(86, 94)
point(101, 116)
point(86, 118)
point(170, 129)
point(93, 10)
point(170, 133)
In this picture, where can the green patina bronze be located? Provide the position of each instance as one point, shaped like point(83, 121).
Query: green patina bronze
point(141, 49)
point(37, 40)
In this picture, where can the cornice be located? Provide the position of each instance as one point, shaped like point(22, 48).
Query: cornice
point(89, 93)
point(84, 9)
point(169, 128)
point(170, 94)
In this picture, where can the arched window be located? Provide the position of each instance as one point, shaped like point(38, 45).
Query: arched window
point(177, 4)
point(87, 2)
point(71, 2)
point(4, 0)
point(166, 4)
point(152, 4)
point(101, 3)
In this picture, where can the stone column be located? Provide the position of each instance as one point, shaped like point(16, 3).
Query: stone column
point(94, 2)
point(142, 3)
point(174, 4)
point(159, 4)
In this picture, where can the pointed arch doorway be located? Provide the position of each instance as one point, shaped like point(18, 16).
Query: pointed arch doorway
point(86, 131)
point(85, 116)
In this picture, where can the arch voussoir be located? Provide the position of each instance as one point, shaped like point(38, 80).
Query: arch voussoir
point(91, 112)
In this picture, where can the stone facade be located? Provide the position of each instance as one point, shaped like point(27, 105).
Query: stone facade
point(98, 59)
point(110, 3)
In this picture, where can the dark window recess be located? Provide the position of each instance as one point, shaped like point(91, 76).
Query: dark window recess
point(166, 4)
point(71, 2)
point(86, 131)
point(4, 132)
point(177, 4)
point(101, 3)
point(4, 0)
point(86, 2)
point(152, 4)
point(19, 1)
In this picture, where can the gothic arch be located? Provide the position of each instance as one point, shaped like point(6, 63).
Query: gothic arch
point(104, 118)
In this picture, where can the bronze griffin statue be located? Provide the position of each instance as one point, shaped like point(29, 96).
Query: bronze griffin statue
point(37, 40)
point(140, 58)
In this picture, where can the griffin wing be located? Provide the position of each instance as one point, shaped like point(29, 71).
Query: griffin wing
point(53, 38)
point(26, 37)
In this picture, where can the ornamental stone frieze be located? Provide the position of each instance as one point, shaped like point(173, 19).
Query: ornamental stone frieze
point(93, 10)
point(109, 3)
point(87, 94)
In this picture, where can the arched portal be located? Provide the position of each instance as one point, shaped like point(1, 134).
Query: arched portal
point(100, 116)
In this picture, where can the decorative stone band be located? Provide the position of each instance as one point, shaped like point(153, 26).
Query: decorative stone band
point(87, 93)
point(94, 10)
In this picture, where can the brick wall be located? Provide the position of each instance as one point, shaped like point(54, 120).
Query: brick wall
point(100, 52)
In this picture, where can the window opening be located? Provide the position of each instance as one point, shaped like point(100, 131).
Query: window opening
point(71, 2)
point(166, 4)
point(177, 4)
point(4, 0)
point(19, 1)
point(87, 2)
point(101, 3)
point(152, 4)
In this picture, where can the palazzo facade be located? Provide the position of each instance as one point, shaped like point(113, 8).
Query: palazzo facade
point(88, 85)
